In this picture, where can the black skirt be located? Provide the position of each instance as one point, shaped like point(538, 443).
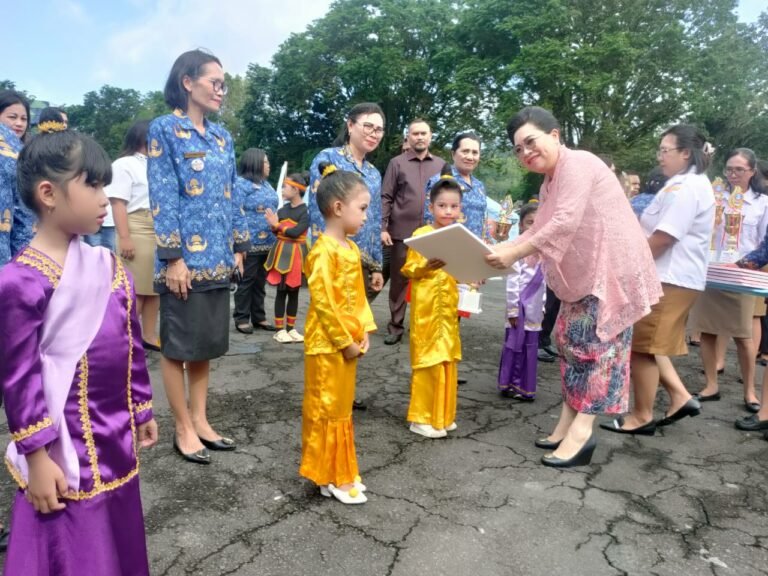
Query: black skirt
point(197, 328)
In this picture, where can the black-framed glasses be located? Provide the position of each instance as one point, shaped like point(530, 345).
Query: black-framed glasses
point(219, 86)
point(529, 143)
point(735, 170)
point(371, 129)
point(665, 151)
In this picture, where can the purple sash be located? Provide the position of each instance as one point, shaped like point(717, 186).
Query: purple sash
point(516, 336)
point(70, 323)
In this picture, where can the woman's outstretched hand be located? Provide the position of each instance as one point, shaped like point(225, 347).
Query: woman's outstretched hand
point(503, 257)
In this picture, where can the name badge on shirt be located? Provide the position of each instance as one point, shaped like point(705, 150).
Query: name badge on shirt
point(197, 164)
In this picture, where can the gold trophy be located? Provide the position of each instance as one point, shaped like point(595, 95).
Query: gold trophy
point(506, 216)
point(732, 230)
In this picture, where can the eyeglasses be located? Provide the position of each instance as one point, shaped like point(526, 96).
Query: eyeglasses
point(219, 86)
point(369, 129)
point(664, 151)
point(736, 170)
point(529, 143)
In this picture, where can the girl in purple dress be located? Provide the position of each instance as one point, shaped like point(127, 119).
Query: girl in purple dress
point(73, 375)
point(525, 309)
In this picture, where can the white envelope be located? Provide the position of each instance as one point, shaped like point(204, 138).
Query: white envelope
point(463, 253)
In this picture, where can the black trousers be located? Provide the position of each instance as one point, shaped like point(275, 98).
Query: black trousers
point(398, 286)
point(551, 310)
point(249, 297)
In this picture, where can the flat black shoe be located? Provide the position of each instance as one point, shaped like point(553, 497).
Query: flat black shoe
point(546, 444)
point(392, 339)
point(753, 407)
point(4, 536)
point(691, 408)
point(265, 326)
point(199, 457)
point(615, 425)
point(581, 458)
point(544, 356)
point(761, 361)
point(694, 343)
point(149, 346)
point(359, 405)
point(719, 372)
point(244, 328)
point(751, 424)
point(551, 350)
point(709, 398)
point(765, 436)
point(221, 445)
point(521, 398)
point(461, 381)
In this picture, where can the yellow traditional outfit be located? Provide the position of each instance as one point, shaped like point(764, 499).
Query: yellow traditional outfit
point(435, 341)
point(338, 316)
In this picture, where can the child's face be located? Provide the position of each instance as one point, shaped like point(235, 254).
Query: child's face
point(289, 192)
point(527, 222)
point(80, 210)
point(354, 213)
point(446, 208)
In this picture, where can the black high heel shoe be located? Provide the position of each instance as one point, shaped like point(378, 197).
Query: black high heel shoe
point(199, 457)
point(546, 444)
point(221, 445)
point(581, 458)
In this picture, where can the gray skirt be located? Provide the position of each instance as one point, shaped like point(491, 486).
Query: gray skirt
point(197, 328)
point(723, 313)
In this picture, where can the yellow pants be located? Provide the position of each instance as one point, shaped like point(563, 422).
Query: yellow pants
point(327, 434)
point(433, 395)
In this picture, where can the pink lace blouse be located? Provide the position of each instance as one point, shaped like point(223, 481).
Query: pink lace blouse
point(591, 243)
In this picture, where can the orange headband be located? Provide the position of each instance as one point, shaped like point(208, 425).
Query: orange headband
point(290, 182)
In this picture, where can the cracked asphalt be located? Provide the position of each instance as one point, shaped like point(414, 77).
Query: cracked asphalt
point(691, 500)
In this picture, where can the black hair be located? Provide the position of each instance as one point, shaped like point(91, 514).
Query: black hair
point(757, 182)
point(188, 64)
point(135, 139)
point(654, 182)
point(300, 178)
point(690, 138)
point(50, 114)
point(362, 109)
point(762, 167)
point(337, 185)
point(464, 136)
point(446, 182)
point(418, 121)
point(11, 97)
point(529, 208)
point(543, 119)
point(251, 166)
point(60, 157)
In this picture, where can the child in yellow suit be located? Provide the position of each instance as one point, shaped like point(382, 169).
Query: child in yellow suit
point(435, 341)
point(337, 327)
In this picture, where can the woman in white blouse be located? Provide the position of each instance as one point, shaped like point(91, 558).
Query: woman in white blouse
point(129, 197)
point(741, 224)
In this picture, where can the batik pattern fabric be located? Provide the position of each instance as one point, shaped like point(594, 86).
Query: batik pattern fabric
point(474, 204)
point(256, 199)
point(594, 372)
point(10, 146)
point(368, 239)
point(196, 214)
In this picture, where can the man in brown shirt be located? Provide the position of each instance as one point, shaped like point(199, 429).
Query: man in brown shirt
point(402, 211)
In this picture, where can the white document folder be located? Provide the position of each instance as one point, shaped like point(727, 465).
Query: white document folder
point(463, 253)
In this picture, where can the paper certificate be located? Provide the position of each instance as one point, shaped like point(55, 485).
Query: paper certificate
point(463, 253)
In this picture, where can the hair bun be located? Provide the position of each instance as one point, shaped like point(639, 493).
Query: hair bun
point(50, 127)
point(708, 149)
point(327, 169)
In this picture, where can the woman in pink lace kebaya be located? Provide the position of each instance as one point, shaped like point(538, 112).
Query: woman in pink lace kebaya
point(597, 261)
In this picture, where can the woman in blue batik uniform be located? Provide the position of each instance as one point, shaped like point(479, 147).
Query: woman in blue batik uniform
point(465, 151)
point(257, 196)
point(202, 235)
point(361, 135)
point(10, 146)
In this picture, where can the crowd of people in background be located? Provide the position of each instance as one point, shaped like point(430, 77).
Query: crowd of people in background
point(176, 219)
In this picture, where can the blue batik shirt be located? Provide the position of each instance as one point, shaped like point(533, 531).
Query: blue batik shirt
point(10, 146)
point(369, 237)
point(640, 202)
point(255, 199)
point(197, 217)
point(474, 204)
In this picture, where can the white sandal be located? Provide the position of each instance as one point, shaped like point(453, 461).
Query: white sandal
point(352, 496)
point(295, 336)
point(451, 428)
point(427, 431)
point(283, 337)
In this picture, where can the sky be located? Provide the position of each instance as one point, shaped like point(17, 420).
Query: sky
point(61, 49)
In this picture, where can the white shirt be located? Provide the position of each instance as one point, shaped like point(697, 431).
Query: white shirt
point(754, 224)
point(684, 209)
point(129, 182)
point(517, 282)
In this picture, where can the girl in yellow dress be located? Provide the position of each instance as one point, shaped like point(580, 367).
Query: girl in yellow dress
point(337, 327)
point(435, 342)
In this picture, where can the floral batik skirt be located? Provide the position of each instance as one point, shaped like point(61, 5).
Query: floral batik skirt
point(595, 374)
